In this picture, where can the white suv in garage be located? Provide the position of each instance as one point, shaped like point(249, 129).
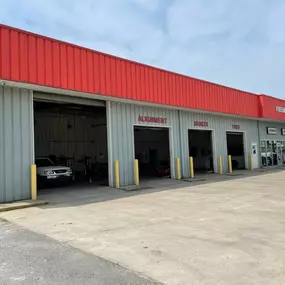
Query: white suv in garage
point(49, 173)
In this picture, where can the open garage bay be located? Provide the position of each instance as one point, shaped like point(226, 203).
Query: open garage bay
point(235, 146)
point(152, 151)
point(201, 149)
point(70, 144)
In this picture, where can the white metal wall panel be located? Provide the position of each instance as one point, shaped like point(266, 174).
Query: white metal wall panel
point(16, 143)
point(121, 119)
point(219, 125)
point(263, 131)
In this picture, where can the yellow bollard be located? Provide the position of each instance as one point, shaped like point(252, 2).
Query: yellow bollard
point(191, 166)
point(136, 172)
point(34, 182)
point(178, 168)
point(220, 164)
point(117, 174)
point(230, 164)
point(250, 162)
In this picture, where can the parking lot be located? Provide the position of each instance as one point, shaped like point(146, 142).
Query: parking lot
point(227, 232)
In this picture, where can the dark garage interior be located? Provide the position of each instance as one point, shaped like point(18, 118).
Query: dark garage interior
point(70, 144)
point(200, 148)
point(152, 151)
point(235, 145)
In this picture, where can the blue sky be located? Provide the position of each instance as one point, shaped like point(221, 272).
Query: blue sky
point(239, 43)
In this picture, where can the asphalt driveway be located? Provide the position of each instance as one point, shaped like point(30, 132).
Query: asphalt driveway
point(229, 232)
point(27, 258)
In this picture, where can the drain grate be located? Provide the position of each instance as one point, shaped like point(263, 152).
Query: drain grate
point(135, 188)
point(194, 179)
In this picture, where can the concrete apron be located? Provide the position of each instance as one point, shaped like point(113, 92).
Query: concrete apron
point(229, 232)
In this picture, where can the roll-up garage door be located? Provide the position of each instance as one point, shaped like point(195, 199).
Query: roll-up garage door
point(48, 97)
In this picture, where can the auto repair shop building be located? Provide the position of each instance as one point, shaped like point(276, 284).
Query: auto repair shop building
point(71, 102)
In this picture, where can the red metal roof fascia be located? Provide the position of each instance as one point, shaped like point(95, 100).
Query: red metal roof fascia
point(31, 58)
point(261, 106)
point(119, 58)
point(273, 108)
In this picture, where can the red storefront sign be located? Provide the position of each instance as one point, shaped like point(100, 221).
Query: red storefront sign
point(201, 124)
point(148, 119)
point(280, 109)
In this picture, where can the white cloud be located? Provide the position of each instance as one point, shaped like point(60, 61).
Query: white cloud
point(235, 43)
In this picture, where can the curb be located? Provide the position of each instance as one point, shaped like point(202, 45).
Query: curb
point(21, 205)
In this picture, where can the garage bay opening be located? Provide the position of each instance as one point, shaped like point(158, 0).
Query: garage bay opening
point(152, 151)
point(70, 144)
point(200, 148)
point(235, 145)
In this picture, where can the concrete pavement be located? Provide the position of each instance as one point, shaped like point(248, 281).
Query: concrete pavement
point(29, 258)
point(229, 232)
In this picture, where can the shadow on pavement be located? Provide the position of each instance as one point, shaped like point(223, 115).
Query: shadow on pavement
point(77, 195)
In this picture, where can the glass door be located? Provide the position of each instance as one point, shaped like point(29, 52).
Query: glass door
point(263, 153)
point(283, 152)
point(279, 153)
point(274, 153)
point(269, 156)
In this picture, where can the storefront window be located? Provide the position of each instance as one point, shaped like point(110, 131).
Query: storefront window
point(272, 153)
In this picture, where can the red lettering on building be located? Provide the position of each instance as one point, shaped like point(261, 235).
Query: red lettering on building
point(236, 127)
point(201, 124)
point(148, 119)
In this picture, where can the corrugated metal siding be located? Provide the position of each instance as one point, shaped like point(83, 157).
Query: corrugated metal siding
point(16, 143)
point(263, 131)
point(121, 119)
point(31, 58)
point(220, 125)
